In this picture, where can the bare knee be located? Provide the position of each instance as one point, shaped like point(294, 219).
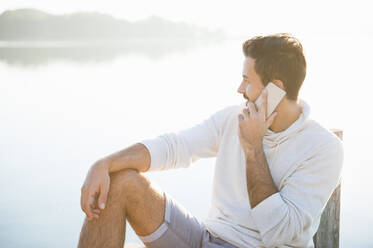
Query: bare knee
point(122, 176)
point(127, 182)
point(143, 201)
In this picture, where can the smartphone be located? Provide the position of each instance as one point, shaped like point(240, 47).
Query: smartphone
point(274, 97)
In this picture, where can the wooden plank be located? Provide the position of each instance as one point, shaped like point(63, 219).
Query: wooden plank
point(327, 234)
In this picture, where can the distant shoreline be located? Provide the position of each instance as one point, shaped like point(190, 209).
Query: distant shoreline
point(38, 26)
point(103, 42)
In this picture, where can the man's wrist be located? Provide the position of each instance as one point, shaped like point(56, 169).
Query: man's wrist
point(253, 152)
point(104, 163)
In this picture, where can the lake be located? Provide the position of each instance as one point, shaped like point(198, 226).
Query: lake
point(63, 107)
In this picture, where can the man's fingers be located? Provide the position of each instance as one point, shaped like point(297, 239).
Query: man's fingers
point(91, 199)
point(83, 202)
point(240, 117)
point(246, 112)
point(104, 189)
point(89, 206)
point(252, 109)
point(263, 108)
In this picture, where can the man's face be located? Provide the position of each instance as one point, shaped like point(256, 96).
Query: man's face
point(251, 85)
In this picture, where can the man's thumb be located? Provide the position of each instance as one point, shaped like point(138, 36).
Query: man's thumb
point(103, 196)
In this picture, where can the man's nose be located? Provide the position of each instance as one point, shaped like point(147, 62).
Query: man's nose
point(242, 88)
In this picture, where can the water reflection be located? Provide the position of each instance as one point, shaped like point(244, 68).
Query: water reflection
point(41, 53)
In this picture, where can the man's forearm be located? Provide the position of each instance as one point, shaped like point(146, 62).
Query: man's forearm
point(136, 157)
point(260, 184)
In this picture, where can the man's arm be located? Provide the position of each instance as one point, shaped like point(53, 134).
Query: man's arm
point(179, 150)
point(97, 180)
point(136, 157)
point(260, 184)
point(289, 212)
point(167, 151)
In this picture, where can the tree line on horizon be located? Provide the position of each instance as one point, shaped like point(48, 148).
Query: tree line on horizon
point(36, 25)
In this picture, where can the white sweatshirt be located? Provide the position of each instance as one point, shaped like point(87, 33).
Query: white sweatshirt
point(305, 162)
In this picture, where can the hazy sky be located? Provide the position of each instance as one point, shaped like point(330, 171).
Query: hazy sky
point(234, 16)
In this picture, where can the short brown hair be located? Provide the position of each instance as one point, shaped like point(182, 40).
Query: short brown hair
point(278, 56)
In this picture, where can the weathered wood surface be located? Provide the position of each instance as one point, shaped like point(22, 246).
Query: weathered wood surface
point(327, 234)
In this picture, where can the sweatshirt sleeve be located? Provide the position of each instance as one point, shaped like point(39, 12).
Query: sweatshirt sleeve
point(290, 213)
point(178, 150)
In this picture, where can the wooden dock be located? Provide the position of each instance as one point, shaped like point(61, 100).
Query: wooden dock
point(328, 233)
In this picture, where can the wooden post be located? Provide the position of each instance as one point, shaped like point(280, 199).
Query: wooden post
point(327, 234)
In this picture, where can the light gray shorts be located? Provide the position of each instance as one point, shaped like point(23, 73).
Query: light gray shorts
point(181, 230)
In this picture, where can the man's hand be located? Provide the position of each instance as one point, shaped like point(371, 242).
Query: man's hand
point(95, 189)
point(253, 125)
point(252, 128)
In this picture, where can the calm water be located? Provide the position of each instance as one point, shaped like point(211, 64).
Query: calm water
point(63, 108)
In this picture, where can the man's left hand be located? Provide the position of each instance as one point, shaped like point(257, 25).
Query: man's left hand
point(253, 125)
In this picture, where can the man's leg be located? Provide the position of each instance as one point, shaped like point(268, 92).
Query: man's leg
point(131, 197)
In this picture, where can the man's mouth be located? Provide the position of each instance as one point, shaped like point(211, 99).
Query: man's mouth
point(247, 100)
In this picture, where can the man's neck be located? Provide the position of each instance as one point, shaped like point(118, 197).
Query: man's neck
point(287, 113)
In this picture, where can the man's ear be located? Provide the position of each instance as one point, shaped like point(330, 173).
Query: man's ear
point(278, 83)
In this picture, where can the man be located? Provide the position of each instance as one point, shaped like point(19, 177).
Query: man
point(273, 176)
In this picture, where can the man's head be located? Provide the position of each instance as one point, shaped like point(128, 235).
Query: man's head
point(274, 58)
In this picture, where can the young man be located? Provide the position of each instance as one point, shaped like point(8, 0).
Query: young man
point(273, 175)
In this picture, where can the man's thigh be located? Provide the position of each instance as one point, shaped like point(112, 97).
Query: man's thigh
point(144, 201)
point(160, 221)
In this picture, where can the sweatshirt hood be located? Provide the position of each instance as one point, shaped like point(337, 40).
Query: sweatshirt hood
point(274, 139)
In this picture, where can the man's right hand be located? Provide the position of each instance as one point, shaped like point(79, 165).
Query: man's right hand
point(95, 189)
